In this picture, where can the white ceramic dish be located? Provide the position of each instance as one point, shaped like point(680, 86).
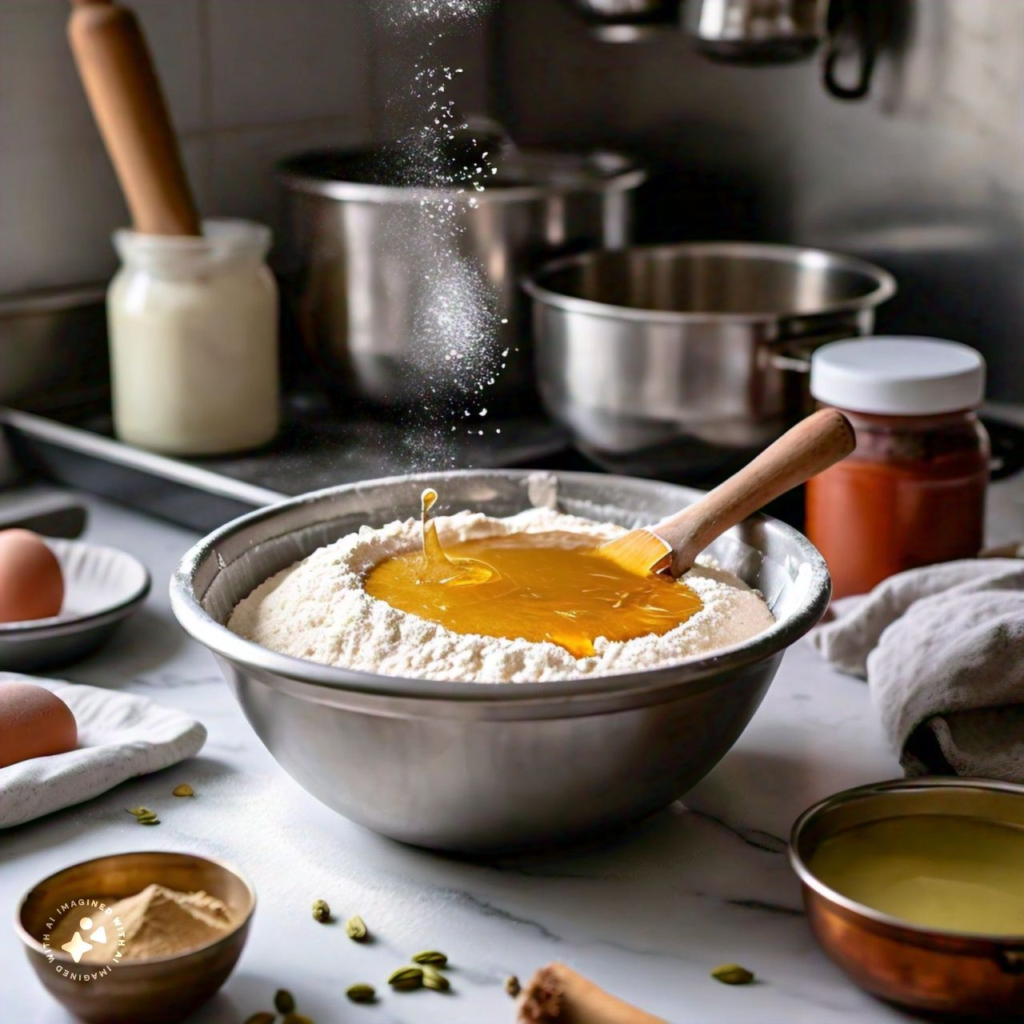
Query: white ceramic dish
point(103, 586)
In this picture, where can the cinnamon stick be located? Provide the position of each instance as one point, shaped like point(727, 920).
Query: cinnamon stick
point(556, 994)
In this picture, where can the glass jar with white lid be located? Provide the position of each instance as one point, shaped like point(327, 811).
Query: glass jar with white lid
point(913, 492)
point(193, 323)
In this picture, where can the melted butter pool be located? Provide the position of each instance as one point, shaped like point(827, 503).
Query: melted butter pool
point(538, 587)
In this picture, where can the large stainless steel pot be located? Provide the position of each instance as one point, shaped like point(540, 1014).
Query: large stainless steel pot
point(466, 766)
point(393, 276)
point(697, 345)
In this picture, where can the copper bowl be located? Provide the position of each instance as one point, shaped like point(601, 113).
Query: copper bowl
point(924, 968)
point(159, 990)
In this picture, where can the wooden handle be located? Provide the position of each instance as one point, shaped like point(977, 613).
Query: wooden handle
point(558, 993)
point(117, 72)
point(811, 446)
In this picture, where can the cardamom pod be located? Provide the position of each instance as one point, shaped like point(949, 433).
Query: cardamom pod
point(732, 974)
point(321, 911)
point(434, 979)
point(297, 1018)
point(154, 820)
point(183, 790)
point(284, 1001)
point(406, 978)
point(361, 993)
point(261, 1018)
point(430, 956)
point(355, 929)
point(141, 812)
point(512, 986)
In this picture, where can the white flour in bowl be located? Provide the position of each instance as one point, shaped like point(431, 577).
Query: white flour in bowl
point(318, 609)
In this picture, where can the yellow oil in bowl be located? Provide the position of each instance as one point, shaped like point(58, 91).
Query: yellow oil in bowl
point(957, 874)
point(552, 586)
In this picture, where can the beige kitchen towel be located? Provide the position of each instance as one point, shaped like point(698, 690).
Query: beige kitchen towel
point(120, 736)
point(942, 649)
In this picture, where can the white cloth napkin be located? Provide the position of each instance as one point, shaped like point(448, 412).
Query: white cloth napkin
point(120, 736)
point(943, 652)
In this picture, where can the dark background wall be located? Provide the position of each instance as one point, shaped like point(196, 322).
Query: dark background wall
point(926, 176)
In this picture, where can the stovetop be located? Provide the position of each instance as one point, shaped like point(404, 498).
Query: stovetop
point(322, 444)
point(319, 445)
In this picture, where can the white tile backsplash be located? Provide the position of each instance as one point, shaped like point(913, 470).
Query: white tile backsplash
point(243, 183)
point(174, 31)
point(41, 97)
point(58, 206)
point(248, 82)
point(280, 61)
point(58, 209)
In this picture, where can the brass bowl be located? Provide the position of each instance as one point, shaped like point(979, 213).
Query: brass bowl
point(159, 990)
point(924, 968)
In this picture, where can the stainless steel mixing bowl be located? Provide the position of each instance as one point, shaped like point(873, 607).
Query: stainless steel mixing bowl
point(474, 767)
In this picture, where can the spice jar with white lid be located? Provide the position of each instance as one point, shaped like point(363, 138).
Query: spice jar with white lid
point(913, 492)
point(193, 323)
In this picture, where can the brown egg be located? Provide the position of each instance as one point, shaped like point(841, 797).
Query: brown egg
point(33, 723)
point(31, 583)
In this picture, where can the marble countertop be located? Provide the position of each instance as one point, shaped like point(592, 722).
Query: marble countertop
point(647, 915)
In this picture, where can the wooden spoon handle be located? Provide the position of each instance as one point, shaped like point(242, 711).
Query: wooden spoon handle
point(117, 72)
point(811, 446)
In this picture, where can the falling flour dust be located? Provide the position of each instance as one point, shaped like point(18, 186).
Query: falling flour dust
point(417, 12)
point(456, 353)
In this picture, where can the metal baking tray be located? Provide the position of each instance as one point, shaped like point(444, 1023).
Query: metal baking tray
point(317, 447)
point(71, 442)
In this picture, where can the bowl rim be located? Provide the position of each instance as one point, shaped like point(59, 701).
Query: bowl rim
point(879, 789)
point(885, 286)
point(197, 622)
point(35, 946)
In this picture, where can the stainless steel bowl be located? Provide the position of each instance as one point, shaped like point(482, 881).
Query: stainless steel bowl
point(472, 767)
point(756, 31)
point(629, 21)
point(699, 344)
point(53, 341)
point(925, 968)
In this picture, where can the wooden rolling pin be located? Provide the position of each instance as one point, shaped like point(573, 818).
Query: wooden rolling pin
point(117, 71)
point(556, 994)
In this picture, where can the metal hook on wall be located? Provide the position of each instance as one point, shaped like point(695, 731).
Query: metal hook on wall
point(858, 26)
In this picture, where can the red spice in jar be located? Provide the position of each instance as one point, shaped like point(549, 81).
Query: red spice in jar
point(913, 493)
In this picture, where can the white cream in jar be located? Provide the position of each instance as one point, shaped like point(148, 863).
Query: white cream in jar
point(193, 329)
